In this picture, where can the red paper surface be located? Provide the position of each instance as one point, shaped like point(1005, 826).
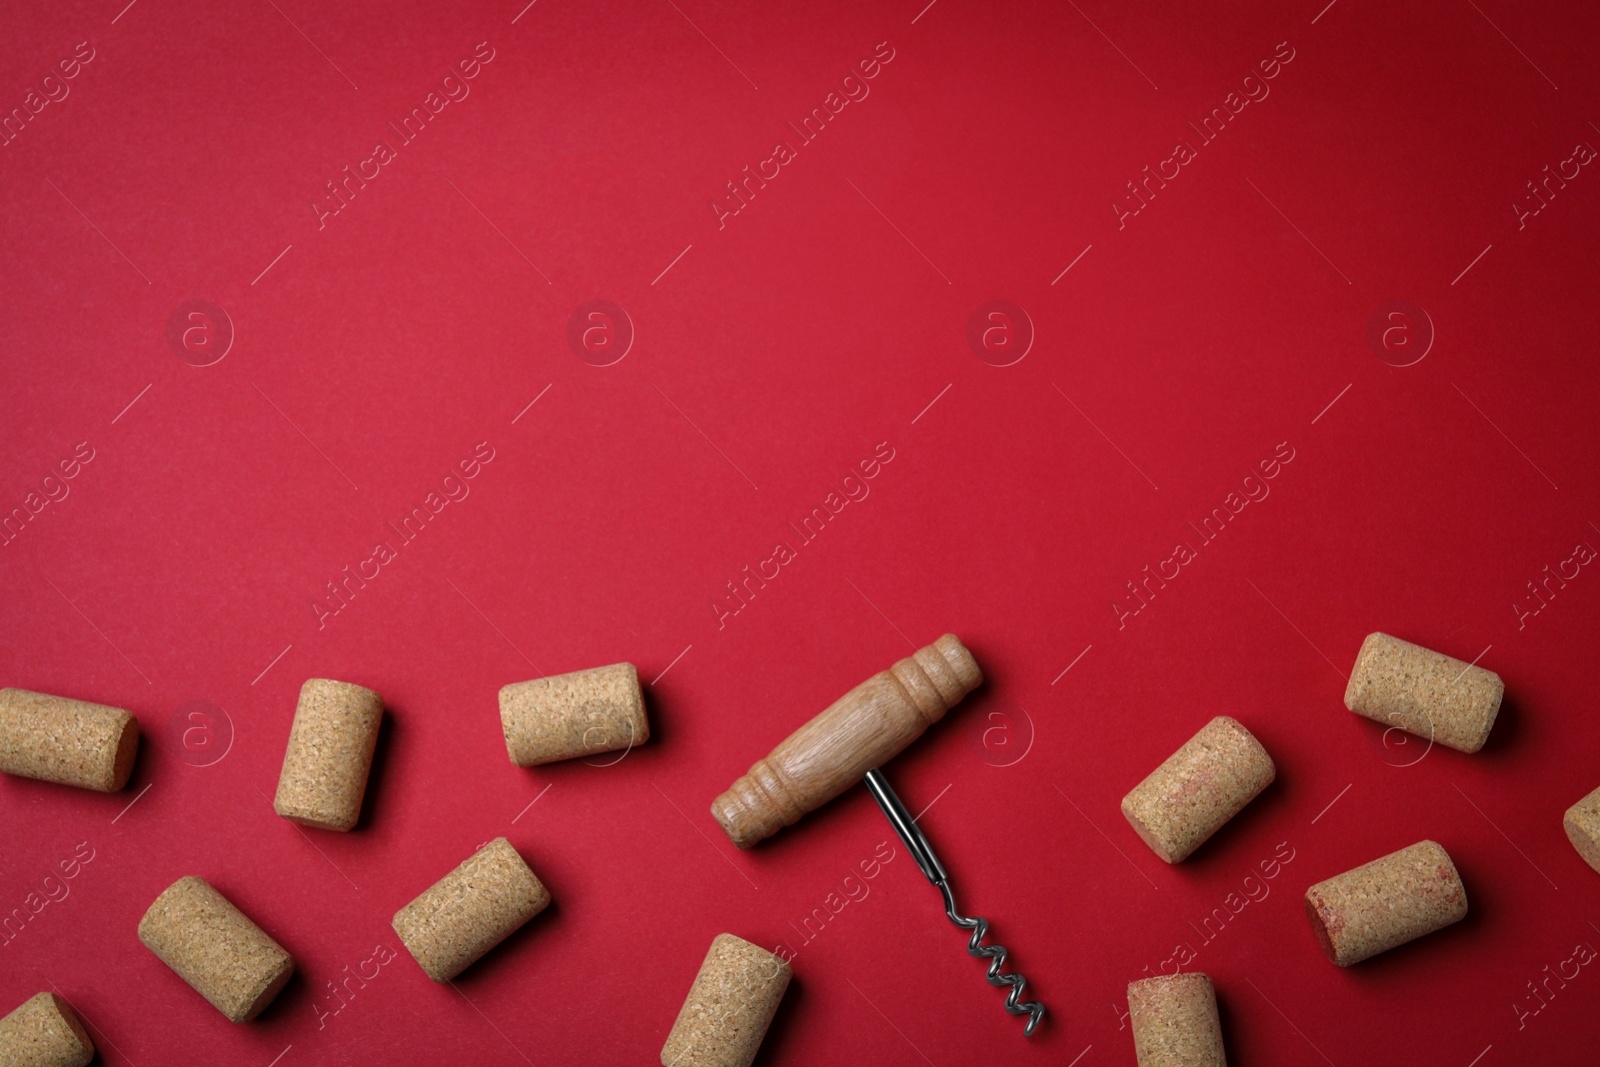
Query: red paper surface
point(1359, 211)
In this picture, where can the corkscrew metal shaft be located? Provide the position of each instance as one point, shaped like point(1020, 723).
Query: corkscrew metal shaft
point(923, 853)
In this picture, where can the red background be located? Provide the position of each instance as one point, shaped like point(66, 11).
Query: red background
point(1220, 321)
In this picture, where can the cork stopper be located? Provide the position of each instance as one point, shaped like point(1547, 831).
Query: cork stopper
point(1385, 903)
point(866, 727)
point(729, 1007)
point(1174, 1021)
point(70, 742)
point(470, 910)
point(1582, 823)
point(1424, 692)
point(579, 714)
point(44, 1031)
point(329, 755)
point(214, 947)
point(1199, 788)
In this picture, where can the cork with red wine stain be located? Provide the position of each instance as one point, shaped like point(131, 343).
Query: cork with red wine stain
point(1199, 788)
point(1379, 905)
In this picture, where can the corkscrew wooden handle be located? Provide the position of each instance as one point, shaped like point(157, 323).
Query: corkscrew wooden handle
point(864, 728)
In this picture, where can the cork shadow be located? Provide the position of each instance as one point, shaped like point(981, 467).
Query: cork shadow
point(784, 1021)
point(1507, 726)
point(1225, 1024)
point(280, 1006)
point(653, 704)
point(1227, 848)
point(644, 750)
point(1412, 959)
point(280, 932)
point(377, 776)
point(582, 768)
point(515, 950)
point(1407, 962)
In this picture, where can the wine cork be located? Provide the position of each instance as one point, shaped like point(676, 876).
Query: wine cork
point(214, 947)
point(330, 753)
point(1385, 903)
point(470, 910)
point(729, 1007)
point(577, 714)
point(1582, 823)
point(1424, 693)
point(866, 727)
point(1174, 1021)
point(44, 1031)
point(71, 742)
point(1201, 786)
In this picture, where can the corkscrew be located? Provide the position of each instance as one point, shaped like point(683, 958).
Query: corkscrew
point(923, 853)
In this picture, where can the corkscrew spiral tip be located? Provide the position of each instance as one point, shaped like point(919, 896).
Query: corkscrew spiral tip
point(921, 851)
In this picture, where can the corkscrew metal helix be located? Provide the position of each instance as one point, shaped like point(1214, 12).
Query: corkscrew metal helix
point(923, 853)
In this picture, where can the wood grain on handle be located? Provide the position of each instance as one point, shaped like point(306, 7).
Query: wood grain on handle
point(862, 729)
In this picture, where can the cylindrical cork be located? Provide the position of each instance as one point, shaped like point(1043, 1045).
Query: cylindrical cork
point(470, 910)
point(1385, 903)
point(864, 728)
point(1582, 823)
point(330, 753)
point(729, 1007)
point(1424, 692)
point(1174, 1021)
point(1201, 786)
point(215, 947)
point(71, 742)
point(577, 714)
point(44, 1032)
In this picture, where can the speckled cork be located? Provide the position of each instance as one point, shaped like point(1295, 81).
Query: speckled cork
point(44, 1032)
point(330, 752)
point(214, 947)
point(470, 910)
point(1582, 823)
point(577, 714)
point(1424, 692)
point(1385, 903)
point(1201, 786)
point(71, 742)
point(1174, 1021)
point(729, 1007)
